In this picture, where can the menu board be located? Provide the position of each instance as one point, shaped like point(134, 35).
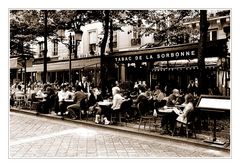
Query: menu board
point(214, 102)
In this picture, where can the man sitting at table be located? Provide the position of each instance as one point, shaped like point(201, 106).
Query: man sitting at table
point(173, 98)
point(93, 105)
point(74, 109)
point(168, 118)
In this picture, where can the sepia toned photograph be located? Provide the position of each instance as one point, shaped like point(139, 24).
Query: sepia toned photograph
point(119, 84)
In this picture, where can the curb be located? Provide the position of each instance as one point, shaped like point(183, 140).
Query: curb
point(127, 130)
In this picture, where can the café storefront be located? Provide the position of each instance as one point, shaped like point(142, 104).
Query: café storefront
point(173, 66)
point(58, 70)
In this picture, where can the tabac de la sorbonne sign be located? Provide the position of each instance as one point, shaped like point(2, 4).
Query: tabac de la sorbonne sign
point(171, 55)
point(185, 51)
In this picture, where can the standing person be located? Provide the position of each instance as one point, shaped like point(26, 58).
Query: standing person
point(84, 84)
point(192, 88)
point(74, 109)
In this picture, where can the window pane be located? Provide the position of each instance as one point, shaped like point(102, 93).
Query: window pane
point(92, 37)
point(214, 35)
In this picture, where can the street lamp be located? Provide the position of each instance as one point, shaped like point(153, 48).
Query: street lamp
point(78, 37)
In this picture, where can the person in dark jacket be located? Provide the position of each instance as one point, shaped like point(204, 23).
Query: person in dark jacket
point(94, 98)
point(79, 97)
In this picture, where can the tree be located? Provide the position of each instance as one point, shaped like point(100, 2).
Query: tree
point(202, 50)
point(26, 26)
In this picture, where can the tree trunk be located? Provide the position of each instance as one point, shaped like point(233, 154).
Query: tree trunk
point(102, 56)
point(202, 51)
point(111, 37)
point(45, 47)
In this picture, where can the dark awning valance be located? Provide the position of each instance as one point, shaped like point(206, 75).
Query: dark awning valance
point(178, 52)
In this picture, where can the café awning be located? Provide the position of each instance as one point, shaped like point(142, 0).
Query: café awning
point(64, 65)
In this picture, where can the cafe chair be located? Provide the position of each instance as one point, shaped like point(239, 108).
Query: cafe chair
point(33, 102)
point(83, 110)
point(122, 112)
point(143, 108)
point(189, 125)
point(20, 101)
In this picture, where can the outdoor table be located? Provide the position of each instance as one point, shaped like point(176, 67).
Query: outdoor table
point(104, 103)
point(167, 110)
point(106, 107)
point(214, 105)
point(69, 100)
point(40, 98)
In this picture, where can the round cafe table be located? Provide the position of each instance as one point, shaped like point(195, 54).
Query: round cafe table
point(106, 108)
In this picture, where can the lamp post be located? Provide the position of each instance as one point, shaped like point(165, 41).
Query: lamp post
point(78, 37)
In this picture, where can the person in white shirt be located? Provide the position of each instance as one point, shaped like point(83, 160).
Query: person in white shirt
point(117, 98)
point(62, 96)
point(70, 93)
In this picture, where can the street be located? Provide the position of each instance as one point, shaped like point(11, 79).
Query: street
point(36, 137)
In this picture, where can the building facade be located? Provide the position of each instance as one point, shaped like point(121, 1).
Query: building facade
point(126, 44)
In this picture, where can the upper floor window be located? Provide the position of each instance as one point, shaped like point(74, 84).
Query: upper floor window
point(136, 38)
point(41, 49)
point(55, 47)
point(212, 35)
point(92, 42)
point(114, 39)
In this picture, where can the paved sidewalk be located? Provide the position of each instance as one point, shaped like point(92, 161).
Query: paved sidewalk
point(133, 128)
point(41, 137)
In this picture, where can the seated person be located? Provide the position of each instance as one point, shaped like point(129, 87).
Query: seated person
point(93, 105)
point(74, 109)
point(42, 105)
point(62, 96)
point(169, 118)
point(117, 100)
point(180, 115)
point(188, 107)
point(142, 95)
point(173, 98)
point(70, 93)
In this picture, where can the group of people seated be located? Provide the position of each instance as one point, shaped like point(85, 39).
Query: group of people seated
point(78, 101)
